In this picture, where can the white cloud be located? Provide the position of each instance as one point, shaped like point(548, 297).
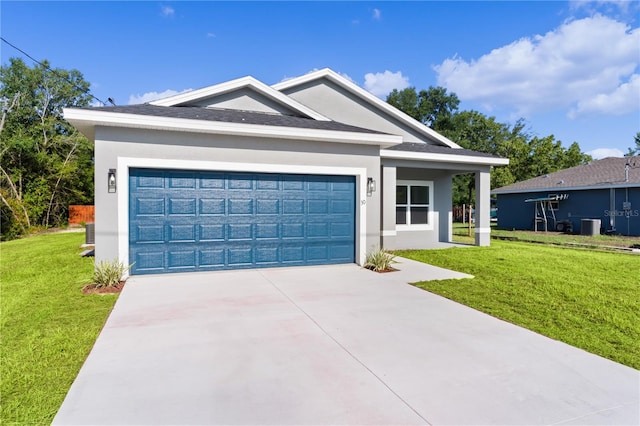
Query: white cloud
point(600, 153)
point(624, 99)
point(153, 96)
point(211, 35)
point(167, 11)
point(381, 83)
point(564, 68)
point(377, 14)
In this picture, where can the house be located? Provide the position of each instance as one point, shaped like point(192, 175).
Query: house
point(606, 190)
point(312, 170)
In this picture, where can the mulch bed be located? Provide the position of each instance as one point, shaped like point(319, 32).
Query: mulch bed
point(92, 289)
point(384, 271)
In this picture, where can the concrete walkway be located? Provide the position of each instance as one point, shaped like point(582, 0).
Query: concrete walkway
point(331, 345)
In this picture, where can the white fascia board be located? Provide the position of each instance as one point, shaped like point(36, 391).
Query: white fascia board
point(443, 158)
point(230, 86)
point(88, 119)
point(569, 188)
point(369, 97)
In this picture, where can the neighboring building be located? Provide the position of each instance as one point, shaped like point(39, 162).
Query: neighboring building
point(312, 170)
point(607, 190)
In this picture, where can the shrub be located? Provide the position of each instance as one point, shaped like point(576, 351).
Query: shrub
point(109, 274)
point(379, 260)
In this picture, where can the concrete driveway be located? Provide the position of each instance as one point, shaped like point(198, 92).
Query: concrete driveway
point(331, 345)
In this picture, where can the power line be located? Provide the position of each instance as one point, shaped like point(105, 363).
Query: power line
point(48, 68)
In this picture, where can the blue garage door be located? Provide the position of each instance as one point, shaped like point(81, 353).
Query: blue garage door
point(184, 221)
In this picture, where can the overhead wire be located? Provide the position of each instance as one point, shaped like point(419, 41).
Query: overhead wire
point(48, 68)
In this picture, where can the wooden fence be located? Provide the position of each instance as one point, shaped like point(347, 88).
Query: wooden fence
point(79, 215)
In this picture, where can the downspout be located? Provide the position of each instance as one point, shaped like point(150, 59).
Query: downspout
point(612, 209)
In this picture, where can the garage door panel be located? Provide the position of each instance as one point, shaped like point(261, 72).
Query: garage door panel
point(267, 207)
point(211, 181)
point(293, 207)
point(182, 206)
point(240, 231)
point(149, 261)
point(211, 233)
point(211, 206)
point(148, 234)
point(182, 181)
point(181, 259)
point(239, 256)
point(182, 233)
point(240, 206)
point(150, 207)
point(190, 221)
point(212, 258)
point(267, 231)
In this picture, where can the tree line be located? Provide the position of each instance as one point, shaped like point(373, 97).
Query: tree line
point(45, 163)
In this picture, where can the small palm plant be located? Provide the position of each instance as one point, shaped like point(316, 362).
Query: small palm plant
point(109, 273)
point(379, 260)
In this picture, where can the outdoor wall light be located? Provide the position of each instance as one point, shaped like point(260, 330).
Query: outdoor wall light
point(111, 180)
point(371, 186)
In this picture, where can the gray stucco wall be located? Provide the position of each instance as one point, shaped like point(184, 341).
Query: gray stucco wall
point(334, 102)
point(114, 143)
point(243, 100)
point(442, 208)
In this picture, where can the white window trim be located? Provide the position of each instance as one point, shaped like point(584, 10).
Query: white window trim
point(126, 163)
point(430, 215)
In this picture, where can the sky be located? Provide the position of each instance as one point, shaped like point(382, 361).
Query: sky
point(568, 68)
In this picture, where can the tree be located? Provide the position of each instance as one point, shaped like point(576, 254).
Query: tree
point(45, 164)
point(433, 107)
point(634, 151)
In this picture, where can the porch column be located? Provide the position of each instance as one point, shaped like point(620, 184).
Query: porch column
point(483, 207)
point(388, 207)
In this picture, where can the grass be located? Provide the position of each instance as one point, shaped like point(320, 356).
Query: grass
point(460, 234)
point(47, 326)
point(588, 299)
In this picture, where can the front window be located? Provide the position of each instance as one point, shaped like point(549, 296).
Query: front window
point(414, 200)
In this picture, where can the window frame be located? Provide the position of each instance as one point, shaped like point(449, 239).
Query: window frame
point(430, 214)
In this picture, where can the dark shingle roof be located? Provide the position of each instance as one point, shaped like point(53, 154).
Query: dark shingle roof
point(438, 149)
point(606, 172)
point(232, 116)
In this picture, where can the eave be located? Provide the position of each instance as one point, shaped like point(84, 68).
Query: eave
point(86, 121)
point(443, 158)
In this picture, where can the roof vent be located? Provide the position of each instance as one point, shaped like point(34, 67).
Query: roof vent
point(561, 182)
point(545, 176)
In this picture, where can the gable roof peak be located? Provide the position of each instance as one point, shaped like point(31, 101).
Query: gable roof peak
point(186, 98)
point(368, 97)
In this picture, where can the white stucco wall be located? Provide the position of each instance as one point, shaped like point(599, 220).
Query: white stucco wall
point(117, 148)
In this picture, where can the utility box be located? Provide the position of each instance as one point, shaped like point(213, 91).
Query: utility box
point(590, 227)
point(90, 234)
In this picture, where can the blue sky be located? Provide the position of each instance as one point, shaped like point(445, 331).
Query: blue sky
point(571, 69)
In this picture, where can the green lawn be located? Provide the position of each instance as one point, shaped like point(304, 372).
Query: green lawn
point(461, 234)
point(588, 299)
point(47, 326)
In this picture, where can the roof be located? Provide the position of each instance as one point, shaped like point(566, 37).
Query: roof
point(231, 116)
point(230, 86)
point(606, 173)
point(327, 73)
point(439, 153)
point(438, 149)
